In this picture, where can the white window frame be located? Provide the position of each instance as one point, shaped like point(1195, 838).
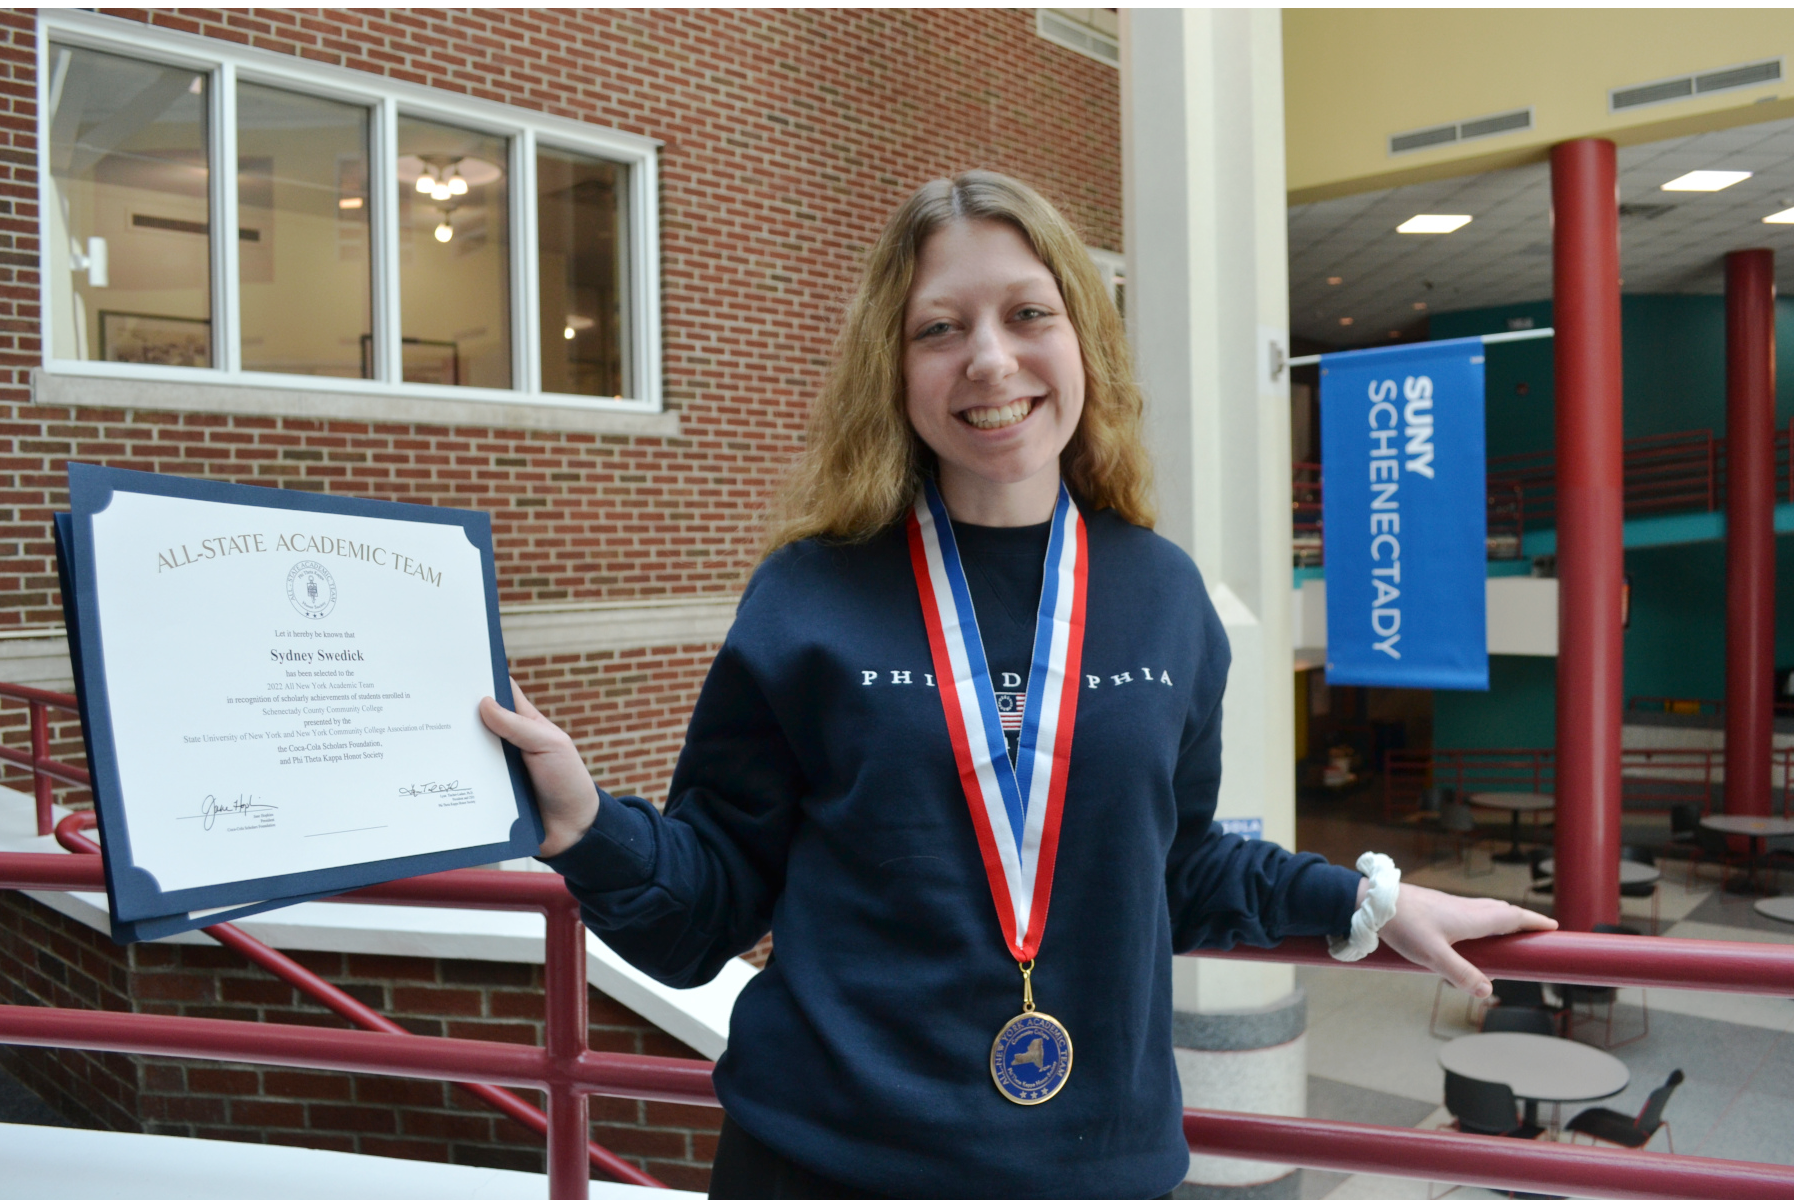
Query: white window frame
point(225, 64)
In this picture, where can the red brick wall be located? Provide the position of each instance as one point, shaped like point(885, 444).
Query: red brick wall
point(46, 958)
point(788, 137)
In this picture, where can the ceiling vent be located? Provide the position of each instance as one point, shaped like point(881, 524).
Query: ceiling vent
point(1726, 79)
point(1461, 131)
point(1092, 32)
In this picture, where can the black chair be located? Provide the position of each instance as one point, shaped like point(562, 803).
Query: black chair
point(1504, 1018)
point(1710, 845)
point(1430, 812)
point(1486, 1108)
point(1609, 1125)
point(1572, 994)
point(1519, 993)
point(1684, 823)
point(1542, 882)
point(1458, 820)
point(1642, 854)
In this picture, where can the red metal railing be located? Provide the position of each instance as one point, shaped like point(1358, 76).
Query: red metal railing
point(1664, 473)
point(1692, 706)
point(46, 772)
point(569, 1072)
point(1654, 779)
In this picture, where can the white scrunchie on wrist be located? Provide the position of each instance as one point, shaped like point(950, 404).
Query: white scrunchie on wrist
point(1376, 909)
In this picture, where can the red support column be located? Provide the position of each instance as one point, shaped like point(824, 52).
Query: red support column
point(566, 1038)
point(1749, 529)
point(1590, 535)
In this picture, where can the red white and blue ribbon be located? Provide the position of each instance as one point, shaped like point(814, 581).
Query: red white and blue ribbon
point(1017, 811)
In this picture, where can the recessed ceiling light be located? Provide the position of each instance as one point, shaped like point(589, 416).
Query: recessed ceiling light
point(1418, 306)
point(1334, 280)
point(1433, 223)
point(1705, 181)
point(1784, 217)
point(1346, 320)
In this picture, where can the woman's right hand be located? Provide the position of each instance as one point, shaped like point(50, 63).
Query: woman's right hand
point(567, 799)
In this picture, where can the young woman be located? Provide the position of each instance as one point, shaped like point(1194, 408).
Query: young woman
point(960, 751)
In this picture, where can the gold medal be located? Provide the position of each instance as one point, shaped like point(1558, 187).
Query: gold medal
point(1032, 1054)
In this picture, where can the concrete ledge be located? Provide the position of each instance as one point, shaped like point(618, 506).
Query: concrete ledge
point(536, 630)
point(78, 391)
point(1243, 1029)
point(85, 1164)
point(1285, 1188)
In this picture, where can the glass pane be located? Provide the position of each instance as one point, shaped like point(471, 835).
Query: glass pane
point(455, 295)
point(582, 280)
point(303, 233)
point(129, 252)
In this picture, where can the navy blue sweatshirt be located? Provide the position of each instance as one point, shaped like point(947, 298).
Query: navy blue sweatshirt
point(817, 795)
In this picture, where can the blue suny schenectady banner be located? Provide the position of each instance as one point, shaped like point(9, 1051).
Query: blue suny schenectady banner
point(1404, 473)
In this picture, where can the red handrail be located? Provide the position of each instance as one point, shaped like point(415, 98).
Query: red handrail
point(69, 834)
point(46, 772)
point(569, 1072)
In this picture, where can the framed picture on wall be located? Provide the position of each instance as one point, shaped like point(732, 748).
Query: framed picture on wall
point(150, 338)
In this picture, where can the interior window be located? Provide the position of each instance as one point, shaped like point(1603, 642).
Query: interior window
point(128, 224)
point(582, 274)
point(303, 234)
point(455, 261)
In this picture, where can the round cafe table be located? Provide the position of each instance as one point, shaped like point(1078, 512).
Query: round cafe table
point(1757, 829)
point(1537, 1067)
point(1776, 908)
point(1515, 803)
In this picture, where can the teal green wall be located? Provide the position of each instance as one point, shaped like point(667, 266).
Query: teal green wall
point(1518, 711)
point(1674, 359)
point(1674, 367)
point(1676, 643)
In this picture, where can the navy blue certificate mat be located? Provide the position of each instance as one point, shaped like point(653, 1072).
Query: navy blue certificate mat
point(140, 908)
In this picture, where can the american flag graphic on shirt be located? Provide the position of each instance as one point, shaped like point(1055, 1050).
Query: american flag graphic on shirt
point(1012, 711)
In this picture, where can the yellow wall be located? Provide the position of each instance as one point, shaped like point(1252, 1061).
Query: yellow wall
point(1354, 76)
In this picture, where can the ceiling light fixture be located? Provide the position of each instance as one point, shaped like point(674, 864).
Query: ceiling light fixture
point(1705, 181)
point(1418, 306)
point(444, 232)
point(350, 202)
point(1346, 320)
point(1784, 217)
point(1433, 223)
point(568, 333)
point(1334, 280)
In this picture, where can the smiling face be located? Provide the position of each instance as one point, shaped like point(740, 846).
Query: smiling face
point(994, 377)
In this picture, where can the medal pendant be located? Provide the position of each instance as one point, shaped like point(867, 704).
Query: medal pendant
point(1031, 1058)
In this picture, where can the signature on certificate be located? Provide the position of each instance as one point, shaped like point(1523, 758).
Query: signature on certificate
point(212, 808)
point(429, 789)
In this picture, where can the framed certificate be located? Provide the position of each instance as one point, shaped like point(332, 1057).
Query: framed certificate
point(278, 691)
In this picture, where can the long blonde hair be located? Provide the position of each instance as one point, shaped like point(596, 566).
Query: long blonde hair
point(863, 464)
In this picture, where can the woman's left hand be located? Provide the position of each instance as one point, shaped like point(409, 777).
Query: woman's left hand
point(1426, 923)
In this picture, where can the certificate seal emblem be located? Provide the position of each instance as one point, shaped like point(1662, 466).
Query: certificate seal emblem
point(311, 590)
point(1031, 1058)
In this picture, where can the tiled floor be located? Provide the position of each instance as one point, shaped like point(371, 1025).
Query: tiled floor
point(1371, 1057)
